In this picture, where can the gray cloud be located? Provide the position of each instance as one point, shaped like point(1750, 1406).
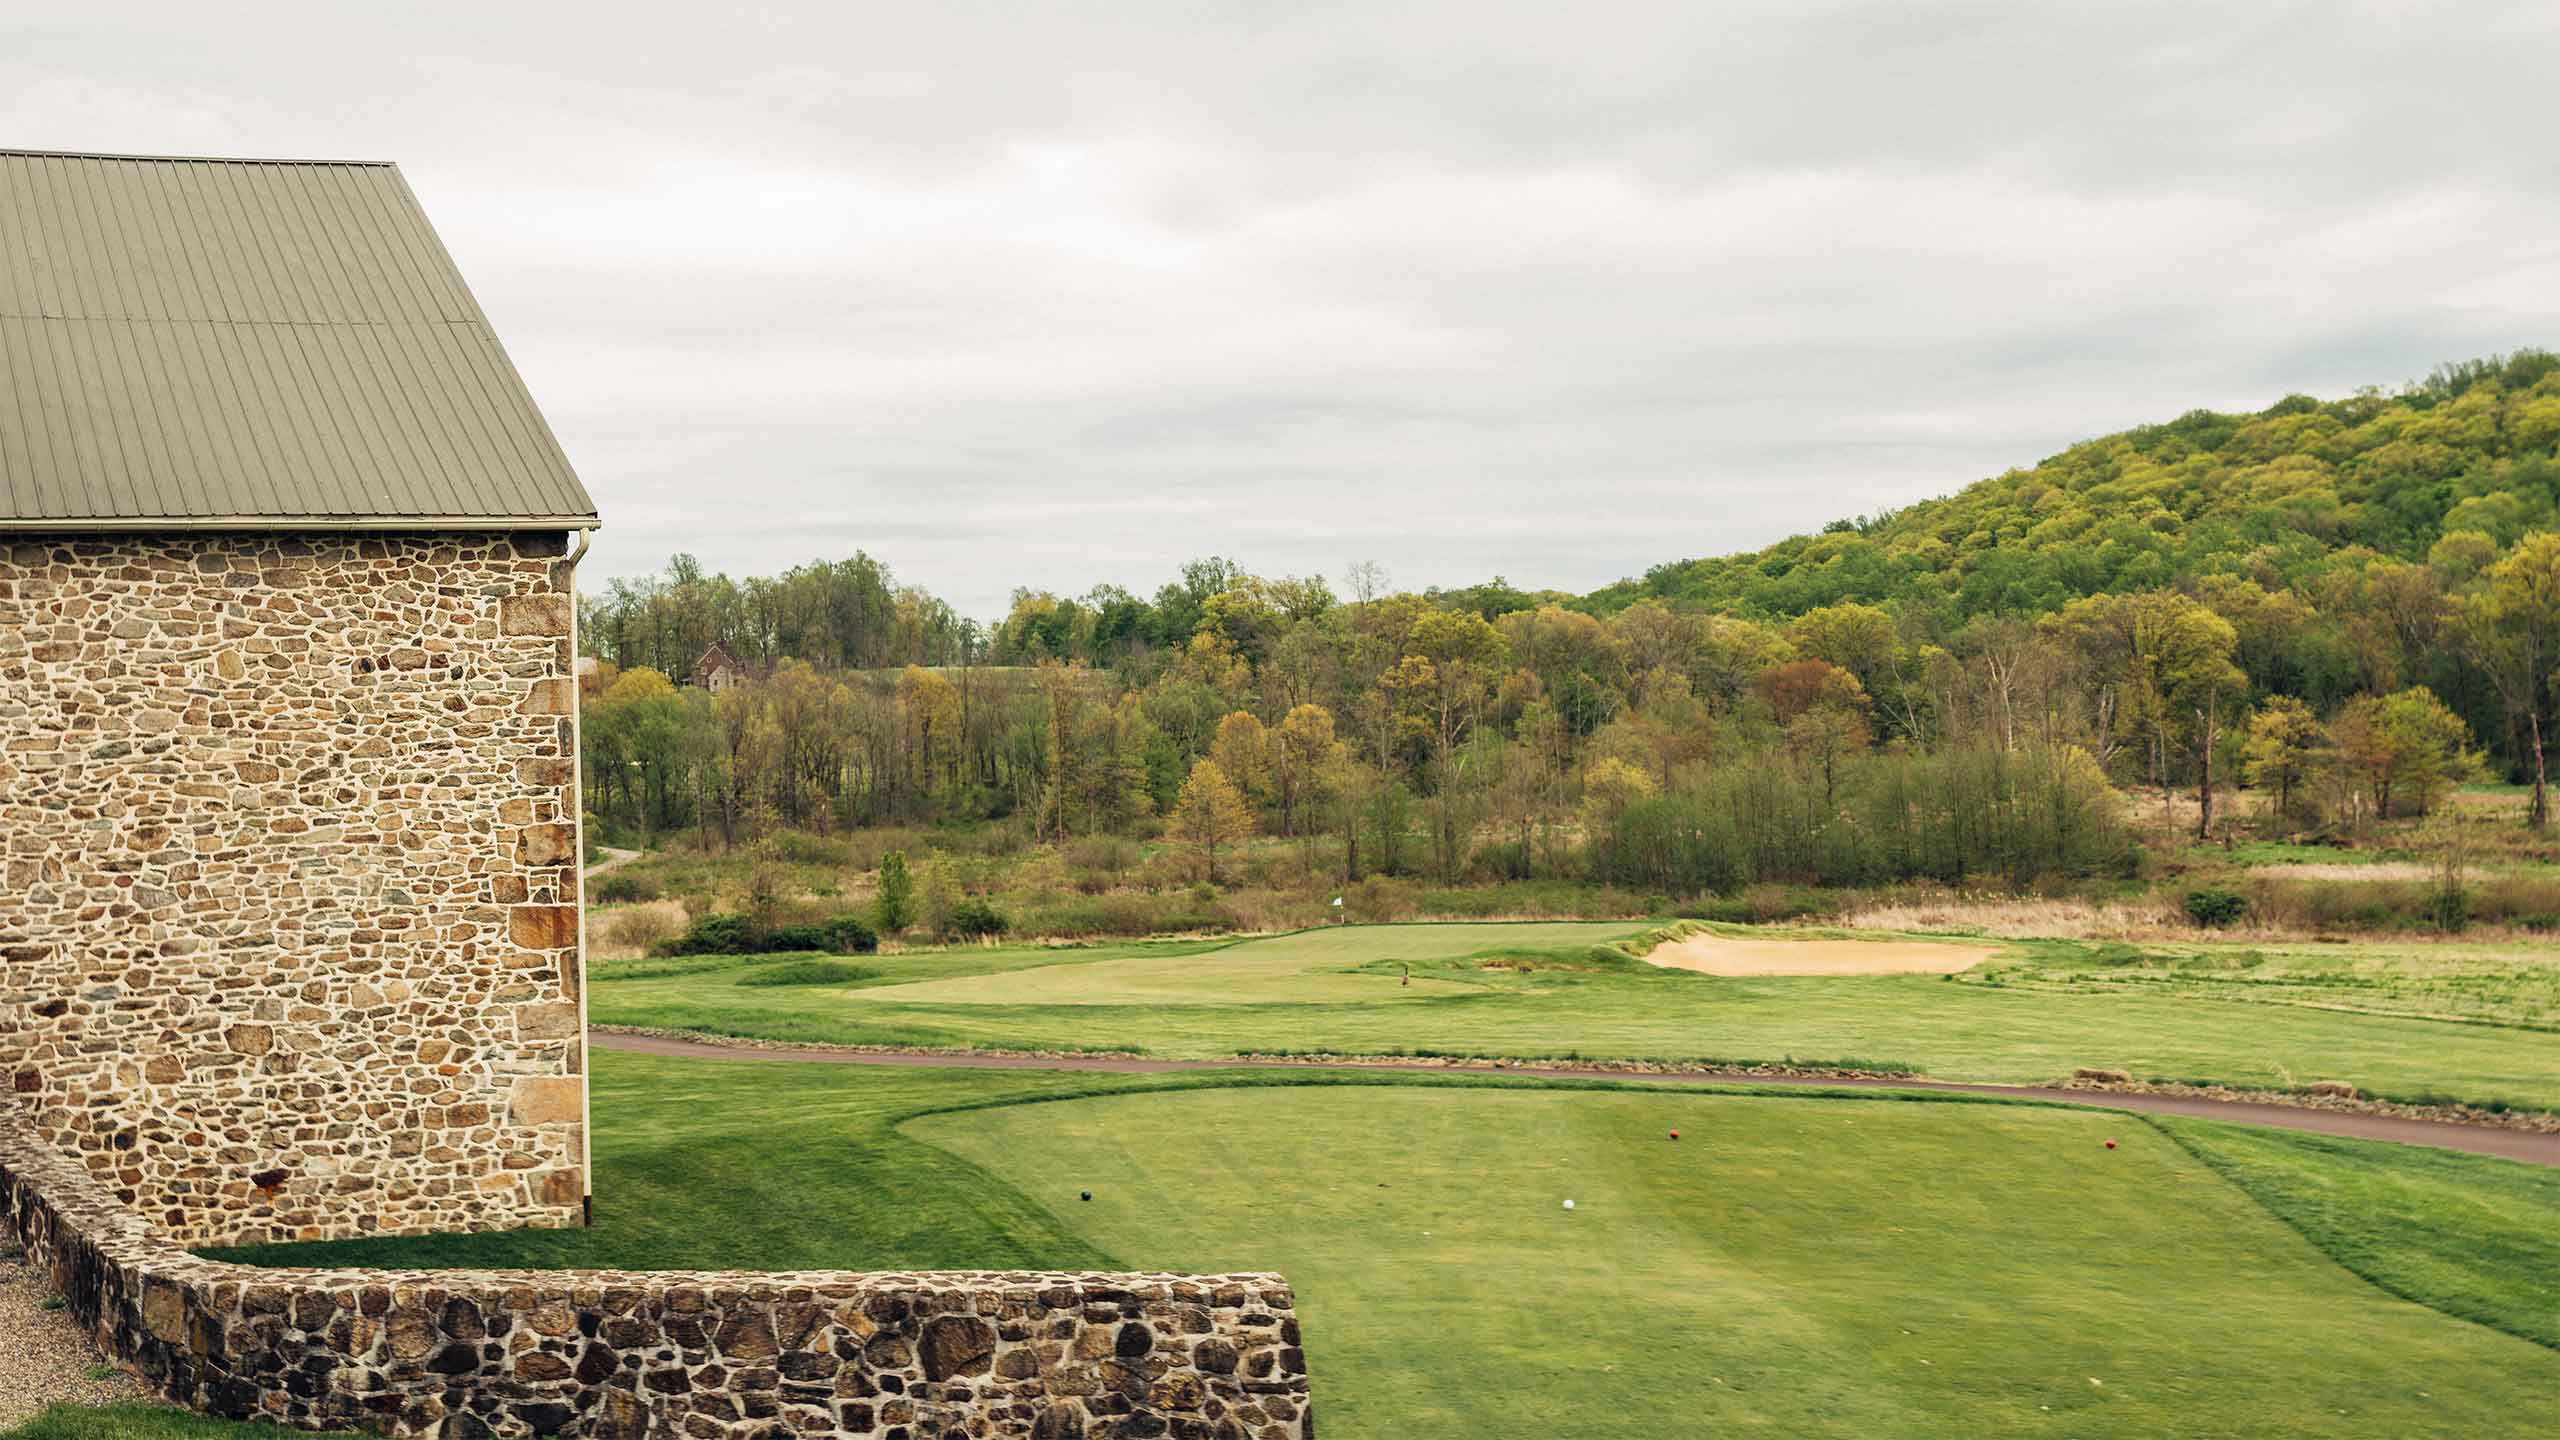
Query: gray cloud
point(1053, 295)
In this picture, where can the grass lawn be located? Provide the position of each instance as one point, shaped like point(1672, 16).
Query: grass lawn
point(1789, 1267)
point(1537, 990)
point(1792, 1266)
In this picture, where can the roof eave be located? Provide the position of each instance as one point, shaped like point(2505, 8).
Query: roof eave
point(191, 159)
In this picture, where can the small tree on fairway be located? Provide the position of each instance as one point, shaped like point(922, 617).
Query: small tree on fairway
point(894, 908)
point(1211, 812)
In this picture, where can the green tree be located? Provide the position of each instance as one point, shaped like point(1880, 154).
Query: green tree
point(1243, 753)
point(1826, 737)
point(2182, 659)
point(1301, 751)
point(2510, 628)
point(893, 908)
point(1211, 813)
point(2405, 745)
point(1448, 671)
point(2282, 748)
point(637, 738)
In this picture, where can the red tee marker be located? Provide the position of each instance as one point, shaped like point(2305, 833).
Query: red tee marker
point(1675, 1134)
point(2111, 1144)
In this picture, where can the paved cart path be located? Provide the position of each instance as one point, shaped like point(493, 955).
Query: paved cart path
point(2524, 1145)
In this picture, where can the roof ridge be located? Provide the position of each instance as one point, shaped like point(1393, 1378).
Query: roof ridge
point(13, 150)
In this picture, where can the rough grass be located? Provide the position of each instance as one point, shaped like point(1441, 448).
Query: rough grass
point(2499, 984)
point(2471, 1236)
point(1798, 1265)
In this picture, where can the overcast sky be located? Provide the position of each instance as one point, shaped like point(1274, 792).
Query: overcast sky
point(1046, 295)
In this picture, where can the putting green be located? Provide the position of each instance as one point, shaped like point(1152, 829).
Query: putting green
point(1310, 966)
point(1788, 1267)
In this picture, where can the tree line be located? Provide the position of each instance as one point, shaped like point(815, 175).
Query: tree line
point(2310, 622)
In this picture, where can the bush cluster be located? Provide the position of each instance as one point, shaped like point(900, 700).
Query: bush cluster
point(2521, 899)
point(974, 919)
point(623, 888)
point(2216, 907)
point(732, 935)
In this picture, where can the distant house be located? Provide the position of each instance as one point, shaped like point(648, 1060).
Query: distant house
point(719, 671)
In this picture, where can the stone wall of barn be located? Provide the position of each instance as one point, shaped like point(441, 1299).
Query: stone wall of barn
point(288, 877)
point(610, 1356)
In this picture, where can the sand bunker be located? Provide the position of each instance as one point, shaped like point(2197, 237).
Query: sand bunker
point(1719, 955)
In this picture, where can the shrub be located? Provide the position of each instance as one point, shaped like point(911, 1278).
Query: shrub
point(807, 972)
point(2527, 899)
point(843, 935)
point(1763, 904)
point(2449, 907)
point(974, 919)
point(732, 935)
point(1504, 860)
point(1376, 900)
point(708, 935)
point(1109, 854)
point(766, 887)
point(640, 929)
point(623, 888)
point(798, 847)
point(2216, 907)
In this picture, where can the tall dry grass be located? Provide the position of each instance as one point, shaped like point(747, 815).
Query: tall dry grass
point(2004, 918)
point(625, 932)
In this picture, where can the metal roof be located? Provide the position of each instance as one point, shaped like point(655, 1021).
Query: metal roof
point(252, 344)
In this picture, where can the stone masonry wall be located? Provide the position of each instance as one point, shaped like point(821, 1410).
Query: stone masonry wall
point(603, 1356)
point(288, 884)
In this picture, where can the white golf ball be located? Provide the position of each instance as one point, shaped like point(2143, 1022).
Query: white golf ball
point(1568, 1204)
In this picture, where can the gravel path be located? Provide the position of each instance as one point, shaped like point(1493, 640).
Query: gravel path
point(44, 1357)
point(613, 860)
point(2529, 1146)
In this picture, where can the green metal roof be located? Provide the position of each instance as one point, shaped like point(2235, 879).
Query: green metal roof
point(227, 344)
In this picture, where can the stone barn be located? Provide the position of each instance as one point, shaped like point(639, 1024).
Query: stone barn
point(288, 711)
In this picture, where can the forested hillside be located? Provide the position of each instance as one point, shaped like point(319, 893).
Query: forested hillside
point(2281, 497)
point(2348, 606)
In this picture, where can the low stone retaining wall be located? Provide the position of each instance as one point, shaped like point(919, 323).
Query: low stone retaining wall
point(458, 1355)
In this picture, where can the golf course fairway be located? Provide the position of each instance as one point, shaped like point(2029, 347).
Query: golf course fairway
point(1786, 1267)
